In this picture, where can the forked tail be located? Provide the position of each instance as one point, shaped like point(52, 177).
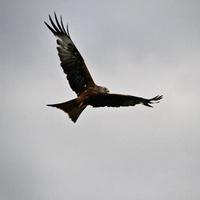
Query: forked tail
point(73, 108)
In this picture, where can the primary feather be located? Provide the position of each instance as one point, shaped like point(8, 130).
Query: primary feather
point(72, 62)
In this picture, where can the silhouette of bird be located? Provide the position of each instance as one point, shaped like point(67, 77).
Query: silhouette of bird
point(80, 79)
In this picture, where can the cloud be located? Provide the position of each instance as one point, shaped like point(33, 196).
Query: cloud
point(142, 48)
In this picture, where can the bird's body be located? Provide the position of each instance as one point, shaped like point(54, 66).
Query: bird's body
point(81, 82)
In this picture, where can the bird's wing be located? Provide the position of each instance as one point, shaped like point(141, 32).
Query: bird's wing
point(117, 100)
point(71, 60)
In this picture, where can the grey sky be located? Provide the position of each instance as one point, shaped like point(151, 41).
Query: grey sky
point(139, 47)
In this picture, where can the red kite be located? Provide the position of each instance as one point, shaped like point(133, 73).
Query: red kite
point(81, 82)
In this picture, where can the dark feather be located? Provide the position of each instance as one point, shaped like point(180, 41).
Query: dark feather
point(117, 100)
point(58, 24)
point(71, 60)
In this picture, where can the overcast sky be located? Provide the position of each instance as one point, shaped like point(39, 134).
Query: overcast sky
point(138, 47)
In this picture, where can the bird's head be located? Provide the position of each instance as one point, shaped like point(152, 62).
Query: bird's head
point(102, 89)
point(105, 90)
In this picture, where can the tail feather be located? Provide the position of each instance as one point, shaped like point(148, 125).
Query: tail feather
point(73, 108)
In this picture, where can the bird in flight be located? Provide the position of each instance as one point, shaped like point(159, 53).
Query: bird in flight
point(81, 81)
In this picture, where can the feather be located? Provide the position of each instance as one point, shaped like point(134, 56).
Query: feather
point(81, 81)
point(72, 62)
point(117, 100)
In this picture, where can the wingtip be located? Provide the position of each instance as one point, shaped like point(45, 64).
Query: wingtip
point(68, 31)
point(61, 21)
point(157, 98)
point(55, 16)
point(153, 100)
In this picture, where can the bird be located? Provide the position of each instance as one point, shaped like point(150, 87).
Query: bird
point(80, 80)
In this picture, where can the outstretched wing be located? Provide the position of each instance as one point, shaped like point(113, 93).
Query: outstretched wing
point(71, 60)
point(117, 100)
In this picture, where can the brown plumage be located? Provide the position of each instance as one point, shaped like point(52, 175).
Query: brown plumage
point(80, 80)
